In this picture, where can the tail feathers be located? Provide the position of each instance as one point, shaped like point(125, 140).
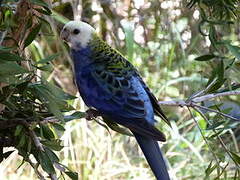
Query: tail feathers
point(154, 156)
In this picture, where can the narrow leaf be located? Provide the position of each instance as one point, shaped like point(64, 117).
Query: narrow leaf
point(32, 35)
point(236, 157)
point(3, 48)
point(235, 50)
point(75, 115)
point(53, 157)
point(206, 57)
point(43, 11)
point(48, 59)
point(11, 68)
point(53, 144)
point(40, 3)
point(18, 130)
point(6, 56)
point(47, 132)
point(72, 175)
point(46, 162)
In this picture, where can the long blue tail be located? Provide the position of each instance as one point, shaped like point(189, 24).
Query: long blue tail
point(154, 156)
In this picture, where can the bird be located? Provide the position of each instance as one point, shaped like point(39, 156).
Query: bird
point(110, 84)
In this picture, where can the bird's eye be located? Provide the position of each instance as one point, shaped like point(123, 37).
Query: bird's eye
point(76, 31)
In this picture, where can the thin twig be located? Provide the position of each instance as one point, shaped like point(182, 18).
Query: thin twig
point(33, 135)
point(215, 95)
point(35, 167)
point(53, 176)
point(194, 119)
point(219, 138)
point(51, 119)
point(198, 99)
point(215, 111)
point(192, 102)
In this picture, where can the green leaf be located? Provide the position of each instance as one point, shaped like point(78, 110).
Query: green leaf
point(210, 169)
point(47, 96)
point(53, 144)
point(206, 57)
point(32, 35)
point(58, 92)
point(60, 18)
point(236, 157)
point(22, 86)
point(58, 127)
point(11, 68)
point(43, 11)
point(72, 175)
point(215, 125)
point(215, 134)
point(3, 48)
point(114, 126)
point(235, 50)
point(53, 157)
point(219, 72)
point(47, 132)
point(40, 3)
point(22, 141)
point(47, 68)
point(75, 115)
point(46, 163)
point(6, 56)
point(18, 130)
point(48, 59)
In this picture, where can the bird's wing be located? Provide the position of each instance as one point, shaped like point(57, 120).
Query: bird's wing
point(157, 109)
point(117, 93)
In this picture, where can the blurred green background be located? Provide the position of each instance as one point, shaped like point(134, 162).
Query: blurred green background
point(162, 39)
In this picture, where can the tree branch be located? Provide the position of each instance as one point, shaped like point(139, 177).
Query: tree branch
point(215, 95)
point(192, 102)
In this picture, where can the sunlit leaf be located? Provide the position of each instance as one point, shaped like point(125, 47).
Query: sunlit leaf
point(75, 115)
point(48, 59)
point(45, 11)
point(210, 169)
point(47, 132)
point(47, 68)
point(18, 130)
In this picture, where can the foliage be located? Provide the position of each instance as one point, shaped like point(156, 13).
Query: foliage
point(32, 119)
point(176, 59)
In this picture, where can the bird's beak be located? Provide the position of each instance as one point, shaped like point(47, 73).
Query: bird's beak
point(64, 35)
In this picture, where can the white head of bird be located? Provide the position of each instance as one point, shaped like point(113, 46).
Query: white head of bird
point(77, 34)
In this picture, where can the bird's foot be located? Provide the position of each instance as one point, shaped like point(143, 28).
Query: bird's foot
point(91, 114)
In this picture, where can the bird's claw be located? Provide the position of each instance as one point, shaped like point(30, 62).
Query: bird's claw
point(91, 114)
